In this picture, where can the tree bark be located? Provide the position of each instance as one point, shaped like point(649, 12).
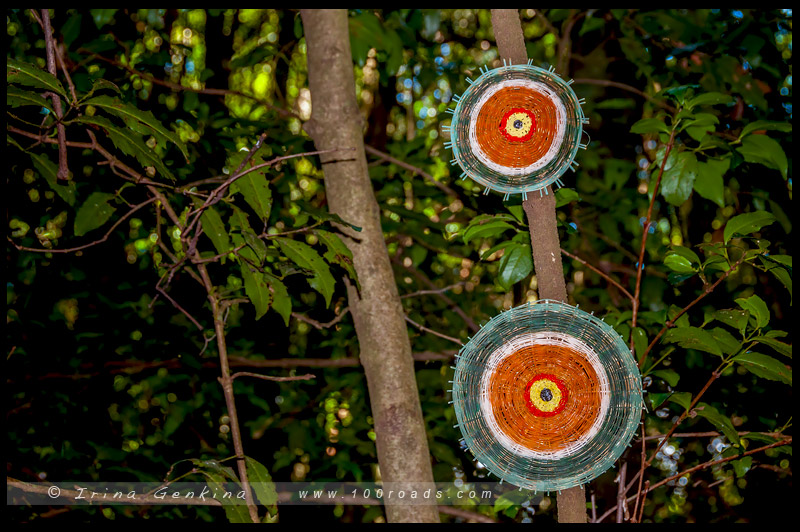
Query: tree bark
point(541, 213)
point(377, 311)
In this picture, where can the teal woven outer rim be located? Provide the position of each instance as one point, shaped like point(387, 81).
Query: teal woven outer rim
point(602, 450)
point(536, 180)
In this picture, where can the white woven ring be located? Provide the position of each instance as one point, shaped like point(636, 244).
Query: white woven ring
point(542, 338)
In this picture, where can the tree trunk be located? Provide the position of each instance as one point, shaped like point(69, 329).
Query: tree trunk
point(541, 213)
point(377, 312)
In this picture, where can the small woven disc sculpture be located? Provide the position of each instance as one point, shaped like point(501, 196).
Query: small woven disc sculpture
point(516, 129)
point(547, 396)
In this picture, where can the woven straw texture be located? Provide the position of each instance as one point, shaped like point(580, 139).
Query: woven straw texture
point(516, 129)
point(547, 396)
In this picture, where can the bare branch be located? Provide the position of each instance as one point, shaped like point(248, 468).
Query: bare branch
point(63, 169)
point(90, 244)
point(431, 331)
point(599, 272)
point(306, 377)
point(418, 171)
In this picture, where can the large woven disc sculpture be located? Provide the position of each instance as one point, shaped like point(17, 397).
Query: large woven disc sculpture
point(516, 129)
point(547, 396)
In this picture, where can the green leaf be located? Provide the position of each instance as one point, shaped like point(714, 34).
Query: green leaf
point(261, 482)
point(565, 196)
point(337, 252)
point(686, 253)
point(49, 171)
point(721, 422)
point(127, 112)
point(734, 317)
point(764, 150)
point(726, 341)
point(657, 399)
point(693, 338)
point(98, 85)
point(16, 97)
point(709, 183)
point(129, 143)
point(709, 98)
point(639, 342)
point(763, 125)
point(239, 220)
point(669, 376)
point(94, 212)
point(304, 256)
point(32, 76)
point(765, 366)
point(784, 277)
point(679, 264)
point(101, 17)
point(486, 230)
point(678, 179)
point(757, 308)
point(700, 125)
point(780, 347)
point(255, 189)
point(215, 229)
point(747, 223)
point(281, 301)
point(515, 265)
point(649, 125)
point(742, 465)
point(367, 32)
point(325, 216)
point(257, 289)
point(682, 398)
point(235, 509)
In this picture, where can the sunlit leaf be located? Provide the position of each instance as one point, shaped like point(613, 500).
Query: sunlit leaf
point(304, 256)
point(29, 75)
point(747, 223)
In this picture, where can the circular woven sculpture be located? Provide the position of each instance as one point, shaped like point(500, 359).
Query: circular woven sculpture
point(516, 129)
point(547, 396)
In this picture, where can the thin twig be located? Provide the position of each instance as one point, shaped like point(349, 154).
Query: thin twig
point(714, 434)
point(285, 113)
point(435, 333)
point(90, 244)
point(645, 233)
point(432, 292)
point(418, 171)
point(63, 169)
point(227, 388)
point(217, 193)
point(599, 272)
point(704, 465)
point(671, 323)
point(177, 306)
point(641, 474)
point(621, 492)
point(625, 87)
point(319, 325)
point(306, 377)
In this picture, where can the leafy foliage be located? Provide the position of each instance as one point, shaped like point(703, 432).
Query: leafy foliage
point(187, 154)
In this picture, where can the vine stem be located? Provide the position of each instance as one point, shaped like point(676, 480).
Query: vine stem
point(671, 323)
point(63, 169)
point(227, 387)
point(704, 465)
point(645, 232)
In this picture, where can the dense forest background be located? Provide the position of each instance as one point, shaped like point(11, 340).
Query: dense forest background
point(137, 271)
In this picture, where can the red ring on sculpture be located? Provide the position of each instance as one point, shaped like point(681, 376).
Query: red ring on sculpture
point(504, 124)
point(561, 387)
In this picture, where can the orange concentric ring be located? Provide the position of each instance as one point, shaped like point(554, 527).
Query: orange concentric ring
point(499, 143)
point(545, 432)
